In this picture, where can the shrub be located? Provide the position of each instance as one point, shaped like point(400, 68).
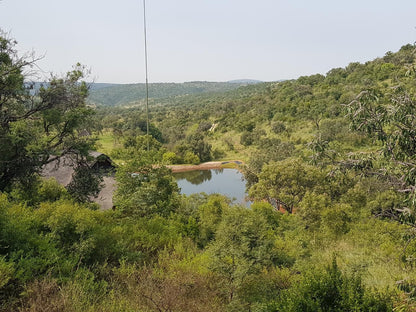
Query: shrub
point(332, 290)
point(191, 158)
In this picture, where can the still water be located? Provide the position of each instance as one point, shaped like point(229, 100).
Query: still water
point(228, 182)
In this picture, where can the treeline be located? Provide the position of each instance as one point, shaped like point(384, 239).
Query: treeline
point(329, 162)
point(134, 94)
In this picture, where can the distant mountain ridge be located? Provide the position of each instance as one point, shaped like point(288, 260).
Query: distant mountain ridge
point(101, 85)
point(122, 94)
point(35, 86)
point(246, 81)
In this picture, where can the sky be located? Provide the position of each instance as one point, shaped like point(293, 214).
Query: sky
point(206, 40)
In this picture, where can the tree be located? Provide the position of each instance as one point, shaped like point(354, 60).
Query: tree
point(391, 119)
point(247, 138)
point(285, 183)
point(145, 190)
point(209, 216)
point(199, 146)
point(333, 290)
point(245, 246)
point(311, 208)
point(86, 183)
point(38, 127)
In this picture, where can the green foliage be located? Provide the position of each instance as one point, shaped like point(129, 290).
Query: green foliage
point(24, 252)
point(85, 183)
point(191, 158)
point(268, 212)
point(76, 230)
point(331, 290)
point(169, 158)
point(135, 125)
point(209, 215)
point(278, 127)
point(247, 138)
point(199, 146)
point(6, 272)
point(311, 208)
point(127, 94)
point(50, 190)
point(244, 245)
point(389, 118)
point(35, 129)
point(387, 205)
point(286, 182)
point(40, 190)
point(141, 146)
point(145, 190)
point(337, 219)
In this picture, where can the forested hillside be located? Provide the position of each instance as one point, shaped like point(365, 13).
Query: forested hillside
point(329, 161)
point(134, 94)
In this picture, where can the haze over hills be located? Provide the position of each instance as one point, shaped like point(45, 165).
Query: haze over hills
point(122, 94)
point(246, 81)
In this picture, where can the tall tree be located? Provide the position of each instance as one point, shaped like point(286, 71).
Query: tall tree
point(199, 146)
point(284, 183)
point(145, 190)
point(391, 119)
point(37, 127)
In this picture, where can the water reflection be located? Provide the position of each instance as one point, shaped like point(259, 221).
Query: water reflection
point(229, 182)
point(194, 177)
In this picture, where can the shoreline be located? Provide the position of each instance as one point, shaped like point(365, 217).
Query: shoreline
point(206, 166)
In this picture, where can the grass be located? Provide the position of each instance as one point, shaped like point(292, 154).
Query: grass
point(107, 143)
point(372, 247)
point(230, 165)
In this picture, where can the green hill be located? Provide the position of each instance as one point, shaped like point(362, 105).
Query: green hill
point(116, 95)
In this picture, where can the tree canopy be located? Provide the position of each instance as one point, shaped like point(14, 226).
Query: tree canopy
point(37, 127)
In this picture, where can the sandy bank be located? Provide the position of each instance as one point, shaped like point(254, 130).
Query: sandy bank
point(204, 166)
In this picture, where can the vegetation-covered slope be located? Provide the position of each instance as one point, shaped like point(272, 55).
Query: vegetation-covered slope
point(129, 94)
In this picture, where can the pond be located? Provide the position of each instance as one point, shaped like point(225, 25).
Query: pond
point(228, 182)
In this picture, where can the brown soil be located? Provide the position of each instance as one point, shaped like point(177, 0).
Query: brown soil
point(204, 166)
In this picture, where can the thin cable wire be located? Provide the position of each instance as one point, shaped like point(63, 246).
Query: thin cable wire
point(147, 78)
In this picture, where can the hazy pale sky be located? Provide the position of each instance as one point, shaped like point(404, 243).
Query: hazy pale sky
point(212, 40)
